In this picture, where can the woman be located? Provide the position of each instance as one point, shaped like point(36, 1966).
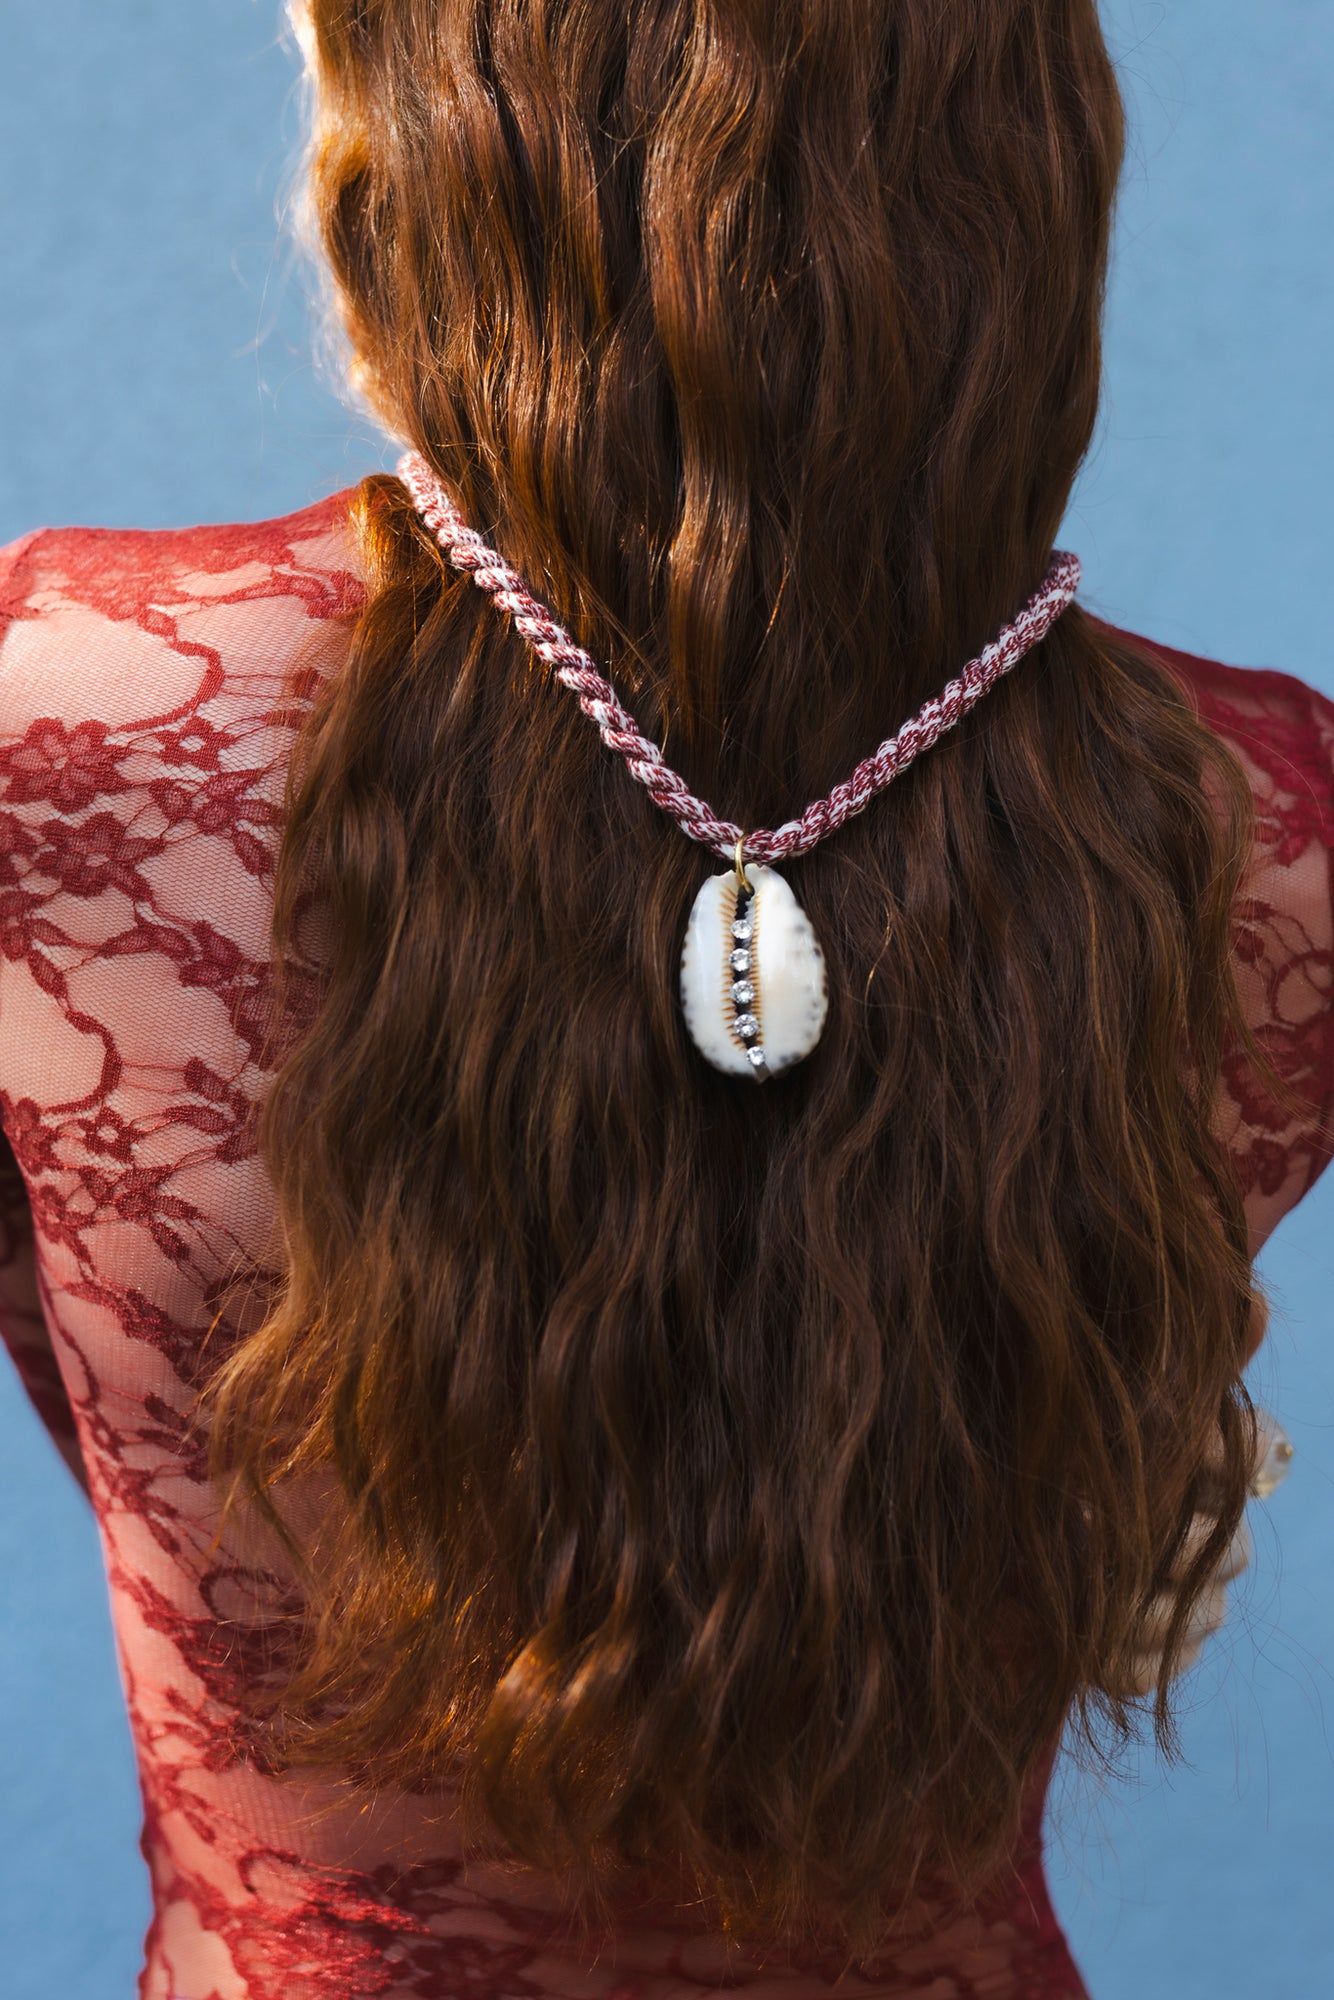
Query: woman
point(580, 1523)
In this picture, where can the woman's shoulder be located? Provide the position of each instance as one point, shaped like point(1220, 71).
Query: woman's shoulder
point(1283, 733)
point(98, 619)
point(1280, 725)
point(151, 682)
point(321, 528)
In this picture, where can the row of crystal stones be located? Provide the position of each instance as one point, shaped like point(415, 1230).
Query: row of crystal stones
point(745, 1023)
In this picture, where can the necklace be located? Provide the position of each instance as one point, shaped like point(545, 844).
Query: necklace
point(753, 984)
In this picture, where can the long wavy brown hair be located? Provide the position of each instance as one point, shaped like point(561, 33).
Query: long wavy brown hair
point(742, 1482)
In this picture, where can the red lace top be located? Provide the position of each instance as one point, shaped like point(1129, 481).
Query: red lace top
point(142, 750)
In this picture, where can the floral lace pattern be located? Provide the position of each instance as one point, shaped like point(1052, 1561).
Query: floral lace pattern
point(143, 733)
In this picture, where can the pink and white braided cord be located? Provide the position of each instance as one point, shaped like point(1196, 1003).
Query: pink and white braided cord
point(466, 550)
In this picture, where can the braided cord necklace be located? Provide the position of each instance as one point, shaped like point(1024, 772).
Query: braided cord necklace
point(753, 983)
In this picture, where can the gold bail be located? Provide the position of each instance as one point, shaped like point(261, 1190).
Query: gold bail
point(738, 862)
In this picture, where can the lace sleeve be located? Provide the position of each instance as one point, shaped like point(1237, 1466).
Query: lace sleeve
point(1282, 729)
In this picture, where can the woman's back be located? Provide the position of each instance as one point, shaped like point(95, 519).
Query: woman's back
point(145, 726)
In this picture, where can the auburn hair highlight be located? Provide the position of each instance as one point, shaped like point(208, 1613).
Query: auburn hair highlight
point(743, 1486)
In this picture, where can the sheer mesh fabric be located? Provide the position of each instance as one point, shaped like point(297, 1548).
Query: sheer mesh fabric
point(143, 738)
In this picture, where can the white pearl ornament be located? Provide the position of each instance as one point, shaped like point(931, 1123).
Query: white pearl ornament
point(753, 984)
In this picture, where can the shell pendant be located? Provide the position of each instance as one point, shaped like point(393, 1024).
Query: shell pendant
point(753, 984)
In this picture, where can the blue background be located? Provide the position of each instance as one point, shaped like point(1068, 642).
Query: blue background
point(155, 349)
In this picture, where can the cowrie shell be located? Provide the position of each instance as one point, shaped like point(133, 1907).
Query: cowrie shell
point(754, 988)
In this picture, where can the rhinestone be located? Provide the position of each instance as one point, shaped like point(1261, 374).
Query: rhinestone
point(743, 992)
point(740, 961)
point(756, 1058)
point(747, 1027)
point(741, 928)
